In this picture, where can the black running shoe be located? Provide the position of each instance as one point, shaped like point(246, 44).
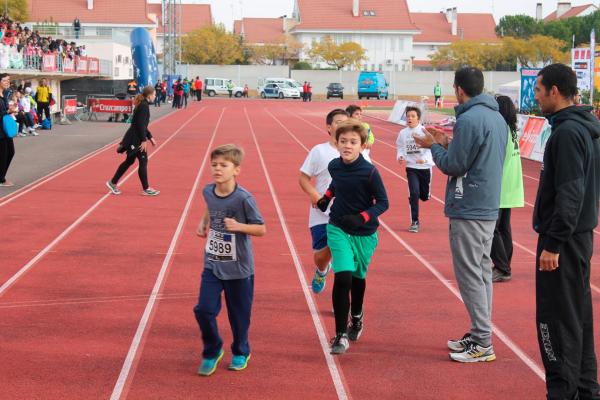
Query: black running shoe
point(356, 327)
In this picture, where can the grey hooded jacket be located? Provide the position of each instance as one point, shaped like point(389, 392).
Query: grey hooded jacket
point(474, 160)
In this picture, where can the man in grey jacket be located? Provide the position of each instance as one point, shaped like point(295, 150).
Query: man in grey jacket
point(473, 161)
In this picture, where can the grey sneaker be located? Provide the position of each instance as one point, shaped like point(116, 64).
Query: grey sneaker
point(356, 327)
point(151, 192)
point(340, 344)
point(498, 276)
point(474, 353)
point(113, 188)
point(460, 344)
point(414, 227)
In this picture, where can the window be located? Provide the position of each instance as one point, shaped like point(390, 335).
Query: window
point(119, 58)
point(210, 82)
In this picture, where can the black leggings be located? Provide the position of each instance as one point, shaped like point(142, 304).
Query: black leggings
point(7, 152)
point(345, 286)
point(142, 157)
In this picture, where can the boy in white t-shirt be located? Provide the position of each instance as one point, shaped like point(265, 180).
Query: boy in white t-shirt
point(418, 164)
point(315, 166)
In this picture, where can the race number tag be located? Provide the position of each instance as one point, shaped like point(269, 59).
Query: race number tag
point(221, 246)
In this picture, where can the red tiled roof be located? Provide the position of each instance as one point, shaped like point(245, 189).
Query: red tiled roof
point(260, 30)
point(194, 16)
point(436, 28)
point(133, 12)
point(337, 15)
point(573, 12)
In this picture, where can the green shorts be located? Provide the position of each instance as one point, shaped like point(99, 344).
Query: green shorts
point(350, 253)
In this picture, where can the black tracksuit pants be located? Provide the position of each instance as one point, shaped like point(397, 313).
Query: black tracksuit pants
point(7, 152)
point(142, 157)
point(419, 182)
point(565, 323)
point(345, 287)
point(502, 247)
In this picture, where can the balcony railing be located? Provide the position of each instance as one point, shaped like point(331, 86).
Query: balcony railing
point(53, 63)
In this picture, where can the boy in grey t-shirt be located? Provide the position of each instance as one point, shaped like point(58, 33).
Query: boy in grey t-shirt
point(231, 217)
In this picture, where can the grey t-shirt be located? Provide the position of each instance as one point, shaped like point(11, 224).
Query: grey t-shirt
point(229, 255)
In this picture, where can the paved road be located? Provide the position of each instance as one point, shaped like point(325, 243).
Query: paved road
point(38, 156)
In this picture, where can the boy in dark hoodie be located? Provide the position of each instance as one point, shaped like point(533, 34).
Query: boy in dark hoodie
point(565, 215)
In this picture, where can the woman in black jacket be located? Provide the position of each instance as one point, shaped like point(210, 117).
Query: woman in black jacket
point(7, 146)
point(135, 143)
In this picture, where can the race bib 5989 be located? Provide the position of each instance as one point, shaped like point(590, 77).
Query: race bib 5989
point(221, 246)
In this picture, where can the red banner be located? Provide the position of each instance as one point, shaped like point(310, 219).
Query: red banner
point(531, 132)
point(49, 63)
point(111, 106)
point(93, 65)
point(68, 64)
point(70, 106)
point(82, 65)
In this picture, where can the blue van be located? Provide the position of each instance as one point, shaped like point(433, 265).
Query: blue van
point(372, 84)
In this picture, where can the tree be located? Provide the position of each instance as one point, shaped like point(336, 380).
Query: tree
point(338, 56)
point(488, 56)
point(18, 10)
point(519, 26)
point(211, 45)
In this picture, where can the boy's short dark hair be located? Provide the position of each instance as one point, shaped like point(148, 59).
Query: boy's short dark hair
point(352, 125)
point(470, 79)
point(230, 152)
point(333, 113)
point(415, 109)
point(352, 108)
point(561, 76)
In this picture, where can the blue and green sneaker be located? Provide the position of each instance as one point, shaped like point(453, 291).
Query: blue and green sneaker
point(318, 282)
point(209, 365)
point(239, 363)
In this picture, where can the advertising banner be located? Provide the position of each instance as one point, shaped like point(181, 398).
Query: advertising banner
point(68, 64)
point(93, 65)
point(533, 136)
point(82, 65)
point(528, 77)
point(49, 63)
point(110, 106)
point(581, 63)
point(70, 106)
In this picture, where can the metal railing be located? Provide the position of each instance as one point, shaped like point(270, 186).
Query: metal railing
point(120, 35)
point(57, 63)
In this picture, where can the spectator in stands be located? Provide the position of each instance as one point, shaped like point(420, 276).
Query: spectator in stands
point(43, 97)
point(76, 27)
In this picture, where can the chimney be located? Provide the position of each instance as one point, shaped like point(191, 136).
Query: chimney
point(355, 8)
point(454, 22)
point(563, 8)
point(449, 15)
point(538, 12)
point(90, 4)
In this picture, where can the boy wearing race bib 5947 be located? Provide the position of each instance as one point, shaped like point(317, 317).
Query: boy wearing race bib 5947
point(418, 164)
point(231, 217)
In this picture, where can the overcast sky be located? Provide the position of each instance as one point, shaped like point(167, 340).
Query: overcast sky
point(225, 10)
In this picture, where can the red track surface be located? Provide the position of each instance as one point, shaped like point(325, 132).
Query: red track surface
point(69, 320)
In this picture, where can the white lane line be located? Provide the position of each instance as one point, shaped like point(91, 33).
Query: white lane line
point(148, 311)
point(331, 364)
point(83, 216)
point(55, 174)
point(499, 333)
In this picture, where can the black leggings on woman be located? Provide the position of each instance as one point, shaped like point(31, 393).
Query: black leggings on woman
point(7, 152)
point(345, 286)
point(142, 157)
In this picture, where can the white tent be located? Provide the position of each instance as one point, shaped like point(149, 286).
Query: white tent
point(512, 90)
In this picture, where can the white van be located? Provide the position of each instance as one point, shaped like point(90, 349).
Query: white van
point(215, 86)
point(282, 82)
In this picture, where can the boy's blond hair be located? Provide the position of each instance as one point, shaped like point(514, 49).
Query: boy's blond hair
point(230, 152)
point(352, 125)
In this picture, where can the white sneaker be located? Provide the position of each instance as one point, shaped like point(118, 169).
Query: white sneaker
point(458, 345)
point(21, 134)
point(32, 132)
point(474, 353)
point(340, 344)
point(151, 192)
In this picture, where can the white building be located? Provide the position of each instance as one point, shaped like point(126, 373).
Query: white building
point(383, 28)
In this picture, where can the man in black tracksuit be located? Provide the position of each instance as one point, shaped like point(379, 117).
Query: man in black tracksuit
point(566, 212)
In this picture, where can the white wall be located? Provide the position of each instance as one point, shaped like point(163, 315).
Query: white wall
point(380, 48)
point(119, 54)
point(240, 74)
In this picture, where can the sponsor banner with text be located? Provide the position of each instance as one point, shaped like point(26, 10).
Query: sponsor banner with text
point(110, 106)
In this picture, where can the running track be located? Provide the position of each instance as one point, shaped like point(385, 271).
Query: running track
point(97, 291)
